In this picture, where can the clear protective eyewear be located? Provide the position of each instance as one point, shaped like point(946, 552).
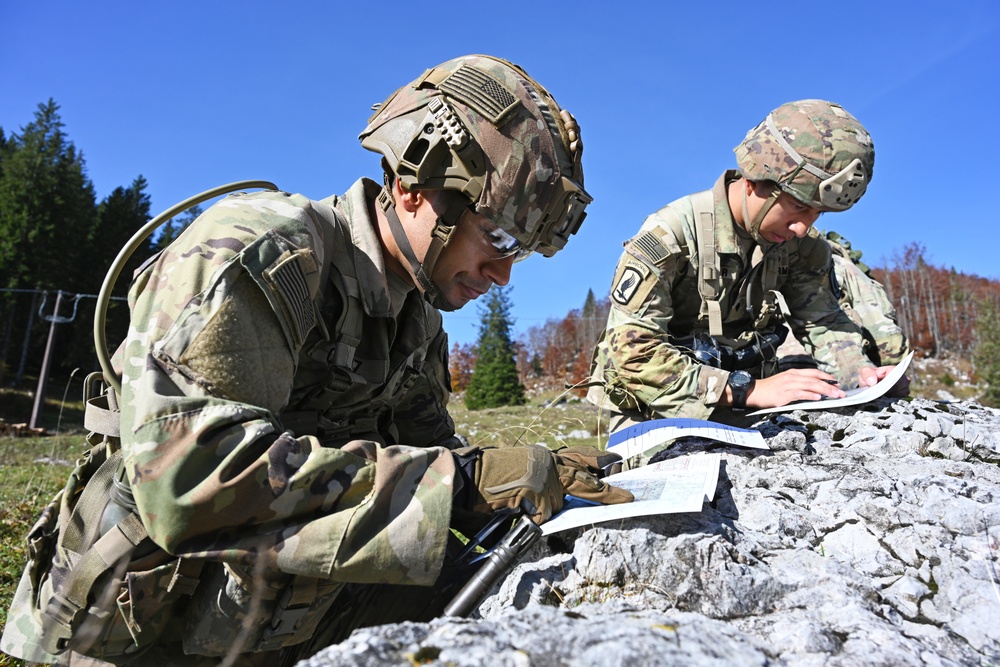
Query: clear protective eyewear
point(561, 219)
point(504, 245)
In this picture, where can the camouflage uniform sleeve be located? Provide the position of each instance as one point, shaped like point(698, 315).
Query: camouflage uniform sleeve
point(217, 324)
point(421, 415)
point(868, 306)
point(817, 319)
point(639, 366)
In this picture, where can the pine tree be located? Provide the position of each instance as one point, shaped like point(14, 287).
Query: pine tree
point(120, 215)
point(495, 381)
point(47, 205)
point(987, 352)
point(47, 208)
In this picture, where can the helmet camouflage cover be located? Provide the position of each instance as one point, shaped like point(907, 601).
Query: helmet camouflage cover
point(814, 150)
point(481, 126)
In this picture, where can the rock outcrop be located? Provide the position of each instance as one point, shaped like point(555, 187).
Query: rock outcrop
point(867, 536)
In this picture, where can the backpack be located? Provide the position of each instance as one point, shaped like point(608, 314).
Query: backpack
point(94, 583)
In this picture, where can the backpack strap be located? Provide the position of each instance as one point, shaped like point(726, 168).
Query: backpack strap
point(69, 598)
point(338, 249)
point(102, 414)
point(709, 263)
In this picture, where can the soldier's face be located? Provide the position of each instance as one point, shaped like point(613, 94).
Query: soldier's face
point(470, 264)
point(786, 219)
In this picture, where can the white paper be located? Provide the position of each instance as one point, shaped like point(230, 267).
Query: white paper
point(681, 484)
point(637, 439)
point(854, 396)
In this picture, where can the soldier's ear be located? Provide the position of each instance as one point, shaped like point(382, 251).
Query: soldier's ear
point(410, 200)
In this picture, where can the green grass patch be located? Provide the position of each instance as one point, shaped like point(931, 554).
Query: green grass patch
point(32, 470)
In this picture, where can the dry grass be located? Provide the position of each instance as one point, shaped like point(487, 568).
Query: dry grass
point(549, 419)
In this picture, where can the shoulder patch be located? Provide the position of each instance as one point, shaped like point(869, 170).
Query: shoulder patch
point(289, 281)
point(633, 283)
point(626, 285)
point(650, 245)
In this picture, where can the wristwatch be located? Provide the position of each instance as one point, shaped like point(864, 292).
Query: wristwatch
point(740, 383)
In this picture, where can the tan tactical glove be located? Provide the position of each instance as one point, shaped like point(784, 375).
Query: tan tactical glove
point(580, 472)
point(495, 479)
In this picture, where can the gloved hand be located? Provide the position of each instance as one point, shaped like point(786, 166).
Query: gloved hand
point(498, 478)
point(580, 472)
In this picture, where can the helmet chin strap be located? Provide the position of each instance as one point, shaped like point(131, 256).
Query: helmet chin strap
point(443, 230)
point(753, 226)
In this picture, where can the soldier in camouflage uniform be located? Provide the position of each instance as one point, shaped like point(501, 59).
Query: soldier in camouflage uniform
point(283, 411)
point(864, 300)
point(700, 294)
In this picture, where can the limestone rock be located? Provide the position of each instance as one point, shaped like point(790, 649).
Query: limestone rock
point(865, 537)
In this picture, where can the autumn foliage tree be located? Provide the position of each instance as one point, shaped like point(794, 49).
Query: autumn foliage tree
point(560, 351)
point(938, 308)
point(461, 364)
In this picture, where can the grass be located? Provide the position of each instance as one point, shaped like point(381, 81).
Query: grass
point(32, 470)
point(56, 414)
point(547, 420)
point(952, 374)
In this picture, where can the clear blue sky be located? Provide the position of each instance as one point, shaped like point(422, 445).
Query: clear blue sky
point(195, 94)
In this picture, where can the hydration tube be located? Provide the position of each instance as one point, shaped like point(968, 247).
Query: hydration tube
point(104, 296)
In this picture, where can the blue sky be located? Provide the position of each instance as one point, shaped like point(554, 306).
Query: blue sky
point(193, 95)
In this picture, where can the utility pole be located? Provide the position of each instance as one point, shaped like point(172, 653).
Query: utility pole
point(43, 375)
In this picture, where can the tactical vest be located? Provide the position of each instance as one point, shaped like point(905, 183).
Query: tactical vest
point(757, 293)
point(346, 386)
point(106, 591)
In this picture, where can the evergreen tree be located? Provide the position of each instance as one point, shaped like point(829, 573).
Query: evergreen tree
point(47, 209)
point(495, 381)
point(47, 205)
point(120, 216)
point(987, 353)
point(54, 236)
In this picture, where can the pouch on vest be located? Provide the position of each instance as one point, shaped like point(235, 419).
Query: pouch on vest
point(81, 590)
point(242, 610)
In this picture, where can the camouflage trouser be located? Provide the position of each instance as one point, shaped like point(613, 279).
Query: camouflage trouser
point(357, 606)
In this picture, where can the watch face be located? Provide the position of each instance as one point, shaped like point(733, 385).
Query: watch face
point(739, 379)
point(739, 382)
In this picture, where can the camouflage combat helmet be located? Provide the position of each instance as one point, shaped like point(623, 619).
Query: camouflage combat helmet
point(480, 127)
point(814, 150)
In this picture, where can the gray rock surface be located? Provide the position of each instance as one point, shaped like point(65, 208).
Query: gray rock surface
point(868, 537)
